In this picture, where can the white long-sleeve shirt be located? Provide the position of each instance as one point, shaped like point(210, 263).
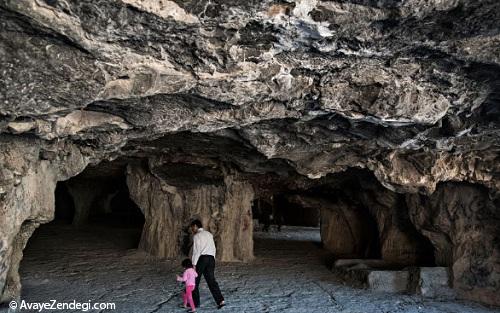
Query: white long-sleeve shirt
point(203, 244)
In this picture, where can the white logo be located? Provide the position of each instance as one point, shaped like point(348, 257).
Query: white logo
point(13, 305)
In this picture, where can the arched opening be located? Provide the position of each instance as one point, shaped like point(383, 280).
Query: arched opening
point(278, 218)
point(349, 217)
point(64, 204)
point(95, 225)
point(87, 200)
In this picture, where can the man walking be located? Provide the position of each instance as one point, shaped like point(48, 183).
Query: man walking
point(204, 261)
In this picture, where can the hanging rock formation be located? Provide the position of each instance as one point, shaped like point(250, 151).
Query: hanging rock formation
point(285, 93)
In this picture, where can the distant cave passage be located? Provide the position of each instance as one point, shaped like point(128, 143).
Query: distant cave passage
point(82, 201)
point(360, 219)
point(279, 211)
point(98, 199)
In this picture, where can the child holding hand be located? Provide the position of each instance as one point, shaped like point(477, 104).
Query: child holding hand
point(189, 278)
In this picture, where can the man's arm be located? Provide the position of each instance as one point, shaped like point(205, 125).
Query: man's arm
point(196, 249)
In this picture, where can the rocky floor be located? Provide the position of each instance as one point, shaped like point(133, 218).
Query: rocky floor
point(288, 275)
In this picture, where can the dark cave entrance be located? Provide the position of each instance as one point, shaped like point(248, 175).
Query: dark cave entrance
point(64, 204)
point(283, 225)
point(362, 220)
point(277, 212)
point(294, 214)
point(350, 215)
point(96, 202)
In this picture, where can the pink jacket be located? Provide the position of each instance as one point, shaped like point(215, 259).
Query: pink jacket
point(189, 277)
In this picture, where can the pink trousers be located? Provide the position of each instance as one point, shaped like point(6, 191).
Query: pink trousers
point(187, 296)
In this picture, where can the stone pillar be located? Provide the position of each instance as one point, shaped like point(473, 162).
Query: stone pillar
point(236, 230)
point(462, 223)
point(30, 199)
point(367, 220)
point(225, 210)
point(347, 231)
point(12, 288)
point(105, 202)
point(400, 242)
point(84, 192)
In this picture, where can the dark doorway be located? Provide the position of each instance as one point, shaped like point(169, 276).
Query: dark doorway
point(97, 201)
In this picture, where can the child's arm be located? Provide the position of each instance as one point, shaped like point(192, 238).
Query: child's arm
point(184, 277)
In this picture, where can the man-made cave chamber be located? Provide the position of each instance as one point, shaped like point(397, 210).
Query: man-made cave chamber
point(321, 142)
point(127, 215)
point(346, 222)
point(97, 196)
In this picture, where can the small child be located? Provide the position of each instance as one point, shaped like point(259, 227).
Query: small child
point(189, 277)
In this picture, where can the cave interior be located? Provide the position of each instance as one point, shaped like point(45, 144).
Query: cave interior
point(354, 140)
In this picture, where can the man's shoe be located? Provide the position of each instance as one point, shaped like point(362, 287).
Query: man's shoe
point(221, 305)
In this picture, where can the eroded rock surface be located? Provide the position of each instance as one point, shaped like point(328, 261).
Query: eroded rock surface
point(224, 208)
point(462, 223)
point(285, 93)
point(29, 173)
point(363, 84)
point(361, 219)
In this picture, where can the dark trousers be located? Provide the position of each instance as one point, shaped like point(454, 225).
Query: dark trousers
point(206, 267)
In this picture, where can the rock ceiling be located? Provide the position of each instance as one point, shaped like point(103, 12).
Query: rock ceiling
point(408, 89)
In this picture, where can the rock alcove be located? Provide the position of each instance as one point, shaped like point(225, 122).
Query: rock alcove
point(377, 120)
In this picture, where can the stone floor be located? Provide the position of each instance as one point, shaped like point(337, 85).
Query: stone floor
point(288, 275)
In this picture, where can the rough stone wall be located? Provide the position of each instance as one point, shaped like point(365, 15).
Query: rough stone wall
point(348, 231)
point(28, 177)
point(12, 289)
point(462, 223)
point(362, 219)
point(407, 89)
point(225, 210)
point(399, 241)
